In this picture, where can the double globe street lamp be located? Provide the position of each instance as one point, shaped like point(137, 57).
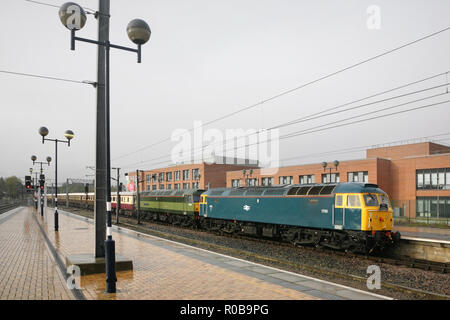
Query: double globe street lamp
point(41, 181)
point(73, 17)
point(43, 131)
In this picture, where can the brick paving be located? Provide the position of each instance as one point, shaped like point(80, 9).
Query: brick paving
point(27, 267)
point(28, 271)
point(160, 273)
point(31, 255)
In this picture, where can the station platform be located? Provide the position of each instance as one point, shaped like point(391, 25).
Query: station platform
point(428, 233)
point(32, 255)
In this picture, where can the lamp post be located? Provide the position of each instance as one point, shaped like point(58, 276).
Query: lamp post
point(74, 18)
point(43, 131)
point(34, 184)
point(324, 165)
point(41, 196)
point(138, 197)
point(196, 178)
point(118, 194)
point(246, 175)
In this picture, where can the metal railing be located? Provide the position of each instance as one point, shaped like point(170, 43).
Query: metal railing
point(415, 213)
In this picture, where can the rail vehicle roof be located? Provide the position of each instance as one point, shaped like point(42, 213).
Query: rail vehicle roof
point(296, 189)
point(173, 192)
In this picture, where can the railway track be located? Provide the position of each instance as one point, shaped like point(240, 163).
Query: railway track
point(426, 265)
point(4, 207)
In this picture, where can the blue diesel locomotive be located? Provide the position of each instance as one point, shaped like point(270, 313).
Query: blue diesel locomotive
point(348, 216)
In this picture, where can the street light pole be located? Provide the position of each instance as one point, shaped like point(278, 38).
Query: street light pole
point(118, 195)
point(41, 196)
point(73, 18)
point(101, 149)
point(43, 131)
point(138, 197)
point(324, 165)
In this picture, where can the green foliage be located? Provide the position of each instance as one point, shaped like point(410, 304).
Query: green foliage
point(2, 187)
point(13, 187)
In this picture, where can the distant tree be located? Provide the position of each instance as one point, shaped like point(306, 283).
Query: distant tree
point(2, 187)
point(13, 187)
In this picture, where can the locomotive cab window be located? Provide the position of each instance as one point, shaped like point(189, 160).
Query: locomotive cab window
point(353, 201)
point(384, 200)
point(371, 200)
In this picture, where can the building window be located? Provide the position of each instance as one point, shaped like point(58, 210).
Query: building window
point(148, 187)
point(161, 187)
point(235, 183)
point(177, 175)
point(267, 181)
point(330, 178)
point(169, 176)
point(185, 174)
point(169, 187)
point(154, 187)
point(186, 185)
point(420, 181)
point(195, 185)
point(286, 180)
point(433, 179)
point(251, 182)
point(359, 176)
point(161, 177)
point(306, 179)
point(433, 207)
point(176, 186)
point(196, 174)
point(147, 178)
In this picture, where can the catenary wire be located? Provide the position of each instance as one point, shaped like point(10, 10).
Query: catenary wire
point(283, 93)
point(383, 100)
point(312, 130)
point(43, 77)
point(318, 113)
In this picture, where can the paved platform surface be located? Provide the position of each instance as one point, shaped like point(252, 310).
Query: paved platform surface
point(31, 253)
point(424, 232)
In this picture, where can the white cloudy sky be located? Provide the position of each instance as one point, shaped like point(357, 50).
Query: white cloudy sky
point(208, 58)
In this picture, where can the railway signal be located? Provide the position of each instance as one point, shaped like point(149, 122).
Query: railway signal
point(28, 183)
point(41, 181)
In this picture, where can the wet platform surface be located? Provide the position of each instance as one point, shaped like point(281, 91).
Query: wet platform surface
point(424, 233)
point(31, 253)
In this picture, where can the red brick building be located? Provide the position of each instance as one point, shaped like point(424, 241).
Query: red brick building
point(416, 176)
point(200, 175)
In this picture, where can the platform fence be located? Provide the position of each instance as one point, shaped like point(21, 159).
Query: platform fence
point(423, 211)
